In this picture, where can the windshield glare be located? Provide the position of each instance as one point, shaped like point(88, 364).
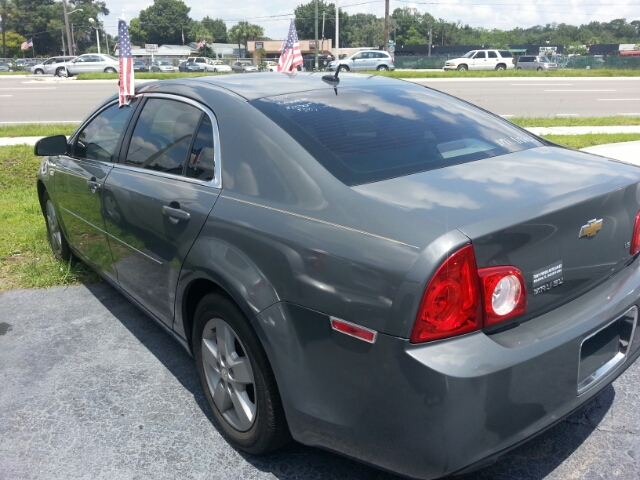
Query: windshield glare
point(469, 54)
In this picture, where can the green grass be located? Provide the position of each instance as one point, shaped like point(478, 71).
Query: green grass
point(26, 260)
point(583, 141)
point(604, 72)
point(144, 76)
point(33, 130)
point(575, 121)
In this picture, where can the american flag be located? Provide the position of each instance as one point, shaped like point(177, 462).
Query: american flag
point(290, 57)
point(127, 90)
point(201, 44)
point(27, 45)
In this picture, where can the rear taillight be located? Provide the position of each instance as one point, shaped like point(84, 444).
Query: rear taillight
point(503, 292)
point(451, 304)
point(460, 298)
point(635, 240)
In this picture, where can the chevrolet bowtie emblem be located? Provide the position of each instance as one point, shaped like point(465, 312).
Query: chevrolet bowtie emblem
point(591, 228)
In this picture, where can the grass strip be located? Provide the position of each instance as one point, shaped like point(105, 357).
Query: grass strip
point(584, 141)
point(576, 121)
point(37, 130)
point(26, 260)
point(604, 72)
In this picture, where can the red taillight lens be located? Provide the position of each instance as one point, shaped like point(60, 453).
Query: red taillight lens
point(635, 240)
point(451, 303)
point(504, 293)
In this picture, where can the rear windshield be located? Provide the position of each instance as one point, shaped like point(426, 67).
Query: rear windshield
point(371, 134)
point(505, 54)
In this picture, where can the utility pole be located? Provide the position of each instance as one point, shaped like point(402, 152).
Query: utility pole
point(337, 31)
point(324, 14)
point(386, 24)
point(430, 40)
point(316, 44)
point(66, 24)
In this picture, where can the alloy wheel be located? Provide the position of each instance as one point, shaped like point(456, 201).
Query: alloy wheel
point(229, 374)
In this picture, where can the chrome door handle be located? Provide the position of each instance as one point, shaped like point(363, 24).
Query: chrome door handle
point(175, 214)
point(94, 185)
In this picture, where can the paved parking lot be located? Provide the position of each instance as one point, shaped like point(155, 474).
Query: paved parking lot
point(91, 388)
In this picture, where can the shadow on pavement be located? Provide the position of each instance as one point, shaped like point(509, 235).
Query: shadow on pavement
point(534, 460)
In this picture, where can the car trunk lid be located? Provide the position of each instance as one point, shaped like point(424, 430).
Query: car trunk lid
point(564, 218)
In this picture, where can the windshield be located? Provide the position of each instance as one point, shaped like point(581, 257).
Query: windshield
point(163, 62)
point(469, 54)
point(365, 135)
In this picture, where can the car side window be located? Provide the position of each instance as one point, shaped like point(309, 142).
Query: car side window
point(162, 135)
point(493, 55)
point(480, 55)
point(99, 138)
point(201, 163)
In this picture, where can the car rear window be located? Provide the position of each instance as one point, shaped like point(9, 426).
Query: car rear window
point(505, 54)
point(367, 135)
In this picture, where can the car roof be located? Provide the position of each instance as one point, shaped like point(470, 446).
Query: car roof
point(267, 85)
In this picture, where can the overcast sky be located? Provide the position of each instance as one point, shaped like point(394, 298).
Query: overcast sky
point(274, 15)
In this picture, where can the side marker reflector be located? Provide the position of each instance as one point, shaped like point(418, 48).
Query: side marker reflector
point(353, 330)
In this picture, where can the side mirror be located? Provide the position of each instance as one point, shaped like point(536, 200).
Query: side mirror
point(55, 145)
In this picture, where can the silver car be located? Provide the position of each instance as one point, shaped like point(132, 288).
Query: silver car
point(50, 65)
point(535, 62)
point(364, 60)
point(163, 65)
point(244, 66)
point(88, 63)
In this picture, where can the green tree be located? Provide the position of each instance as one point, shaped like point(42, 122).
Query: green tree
point(244, 32)
point(306, 24)
point(164, 21)
point(216, 28)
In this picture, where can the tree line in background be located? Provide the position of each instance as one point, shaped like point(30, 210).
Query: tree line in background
point(168, 22)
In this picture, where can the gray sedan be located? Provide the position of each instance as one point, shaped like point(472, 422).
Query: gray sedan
point(358, 263)
point(88, 63)
point(243, 67)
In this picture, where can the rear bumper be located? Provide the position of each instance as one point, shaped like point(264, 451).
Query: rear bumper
point(430, 410)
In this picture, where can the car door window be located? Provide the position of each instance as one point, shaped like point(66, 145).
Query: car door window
point(99, 138)
point(480, 55)
point(493, 55)
point(162, 135)
point(201, 163)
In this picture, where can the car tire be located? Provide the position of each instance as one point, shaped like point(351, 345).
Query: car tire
point(539, 69)
point(57, 240)
point(62, 72)
point(500, 67)
point(236, 377)
point(462, 68)
point(109, 70)
point(382, 68)
point(519, 68)
point(39, 71)
point(343, 68)
point(215, 70)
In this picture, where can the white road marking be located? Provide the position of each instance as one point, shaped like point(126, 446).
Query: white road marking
point(6, 95)
point(629, 114)
point(507, 116)
point(567, 114)
point(28, 88)
point(542, 84)
point(618, 99)
point(610, 90)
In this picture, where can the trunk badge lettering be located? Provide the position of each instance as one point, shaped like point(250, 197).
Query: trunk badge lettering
point(591, 228)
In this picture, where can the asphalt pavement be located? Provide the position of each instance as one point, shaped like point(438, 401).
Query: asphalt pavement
point(93, 389)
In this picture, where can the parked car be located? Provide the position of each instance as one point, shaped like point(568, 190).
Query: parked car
point(243, 66)
point(140, 66)
point(309, 61)
point(191, 67)
point(482, 60)
point(162, 65)
point(364, 60)
point(218, 66)
point(88, 63)
point(49, 65)
point(364, 264)
point(535, 62)
point(5, 67)
point(270, 66)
